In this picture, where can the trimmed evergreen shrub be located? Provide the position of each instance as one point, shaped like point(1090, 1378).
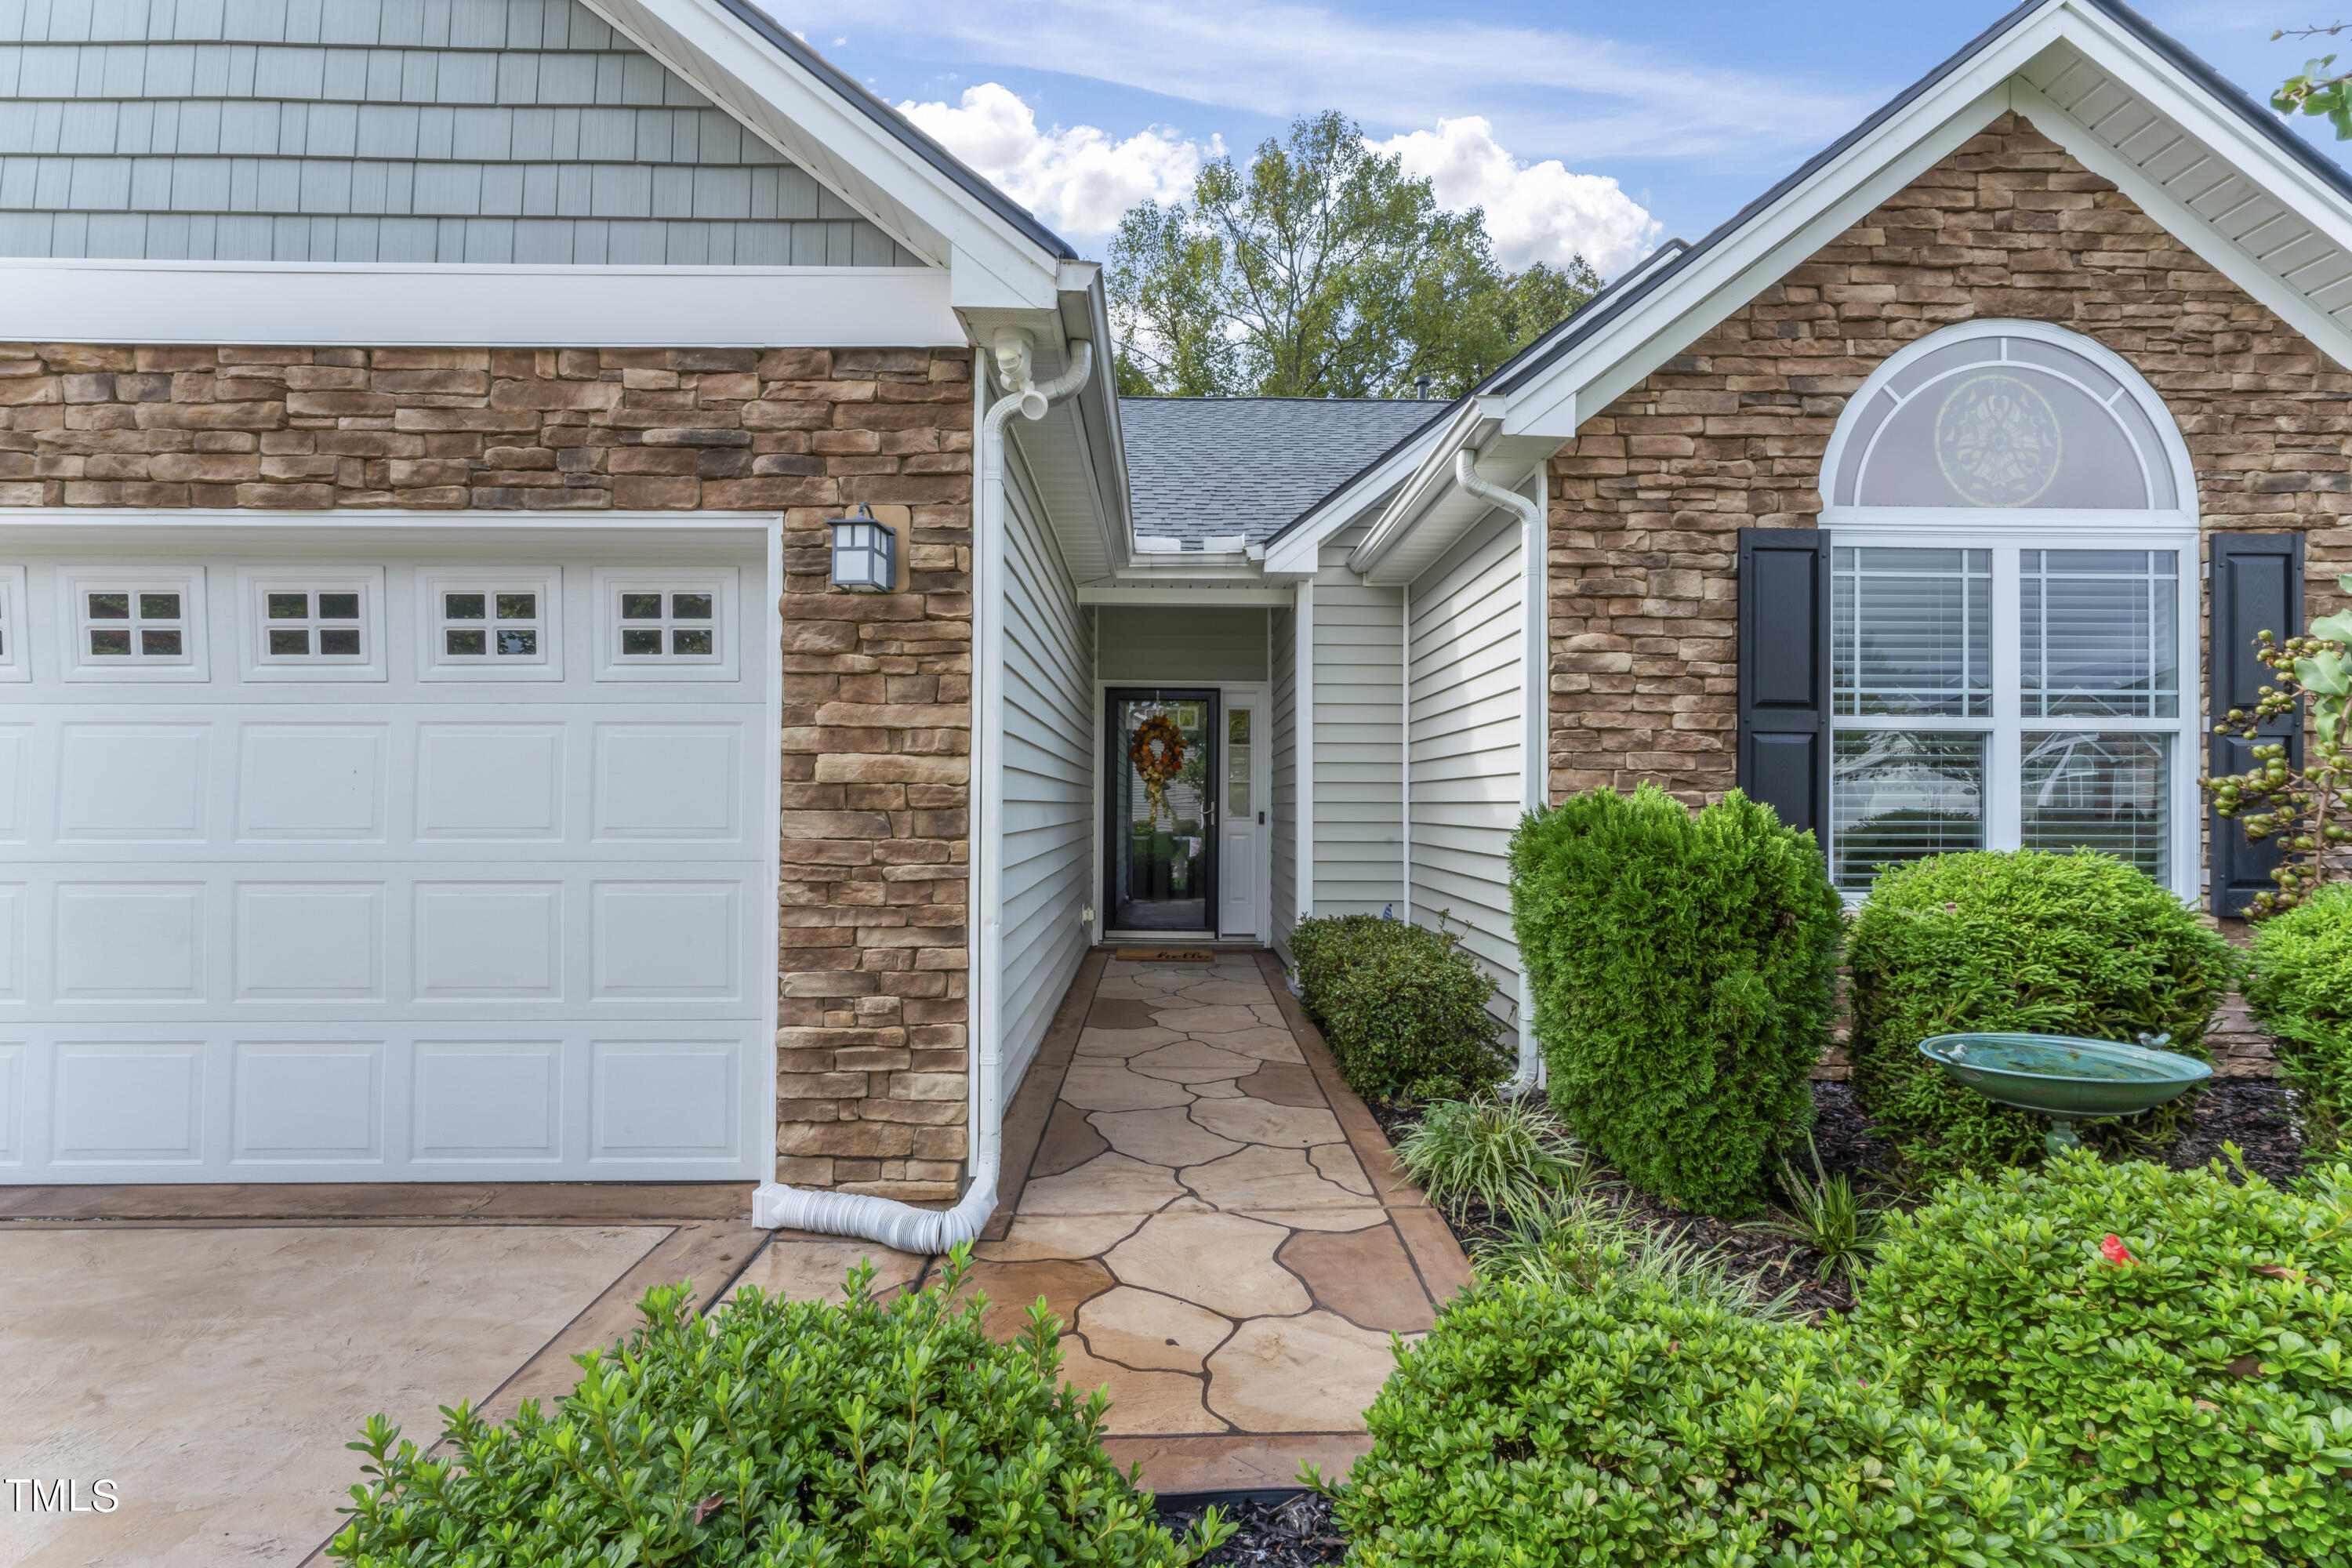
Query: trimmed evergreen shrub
point(2300, 984)
point(1996, 940)
point(1403, 1007)
point(1681, 965)
point(777, 1434)
point(2181, 1338)
point(1631, 1428)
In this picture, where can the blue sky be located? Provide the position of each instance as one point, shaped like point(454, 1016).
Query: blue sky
point(1081, 107)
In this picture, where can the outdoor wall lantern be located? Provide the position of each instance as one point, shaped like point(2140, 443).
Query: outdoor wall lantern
point(865, 555)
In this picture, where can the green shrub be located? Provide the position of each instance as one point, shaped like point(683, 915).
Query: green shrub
point(1403, 1007)
point(2301, 985)
point(1681, 966)
point(1992, 941)
point(1541, 1426)
point(1503, 1154)
point(2200, 1380)
point(776, 1435)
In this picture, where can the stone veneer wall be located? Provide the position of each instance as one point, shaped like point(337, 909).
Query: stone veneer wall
point(877, 687)
point(1647, 501)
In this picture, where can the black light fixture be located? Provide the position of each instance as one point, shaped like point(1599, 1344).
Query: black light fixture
point(865, 553)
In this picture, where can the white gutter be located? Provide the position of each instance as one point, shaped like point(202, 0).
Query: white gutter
point(902, 1226)
point(1531, 701)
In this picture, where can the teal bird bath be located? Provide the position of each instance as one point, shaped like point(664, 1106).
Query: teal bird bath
point(2065, 1078)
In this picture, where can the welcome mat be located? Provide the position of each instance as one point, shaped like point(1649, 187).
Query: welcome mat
point(1165, 954)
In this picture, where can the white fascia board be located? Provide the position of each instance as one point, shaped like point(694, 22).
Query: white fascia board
point(1621, 356)
point(2152, 78)
point(1178, 593)
point(1895, 152)
point(2227, 256)
point(1475, 426)
point(45, 300)
point(836, 142)
point(1299, 552)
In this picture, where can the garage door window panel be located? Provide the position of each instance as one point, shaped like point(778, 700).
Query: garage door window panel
point(14, 665)
point(135, 622)
point(666, 626)
point(502, 627)
point(315, 626)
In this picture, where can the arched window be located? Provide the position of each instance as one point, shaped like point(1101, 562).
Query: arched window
point(2013, 559)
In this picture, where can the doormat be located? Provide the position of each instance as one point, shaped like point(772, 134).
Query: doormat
point(1165, 954)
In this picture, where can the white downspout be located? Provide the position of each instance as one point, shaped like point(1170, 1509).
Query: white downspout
point(902, 1226)
point(1404, 725)
point(1302, 724)
point(1531, 701)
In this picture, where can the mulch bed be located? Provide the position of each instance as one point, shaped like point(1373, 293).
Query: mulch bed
point(2249, 1113)
point(1295, 1532)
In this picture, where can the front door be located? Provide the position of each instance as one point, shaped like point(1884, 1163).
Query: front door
point(1238, 873)
point(1162, 798)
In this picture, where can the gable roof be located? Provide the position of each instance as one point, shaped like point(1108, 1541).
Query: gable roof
point(2271, 211)
point(1200, 467)
point(898, 125)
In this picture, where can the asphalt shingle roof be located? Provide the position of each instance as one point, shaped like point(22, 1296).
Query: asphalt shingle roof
point(1204, 467)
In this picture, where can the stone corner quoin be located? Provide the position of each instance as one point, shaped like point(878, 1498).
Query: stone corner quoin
point(876, 687)
point(1647, 502)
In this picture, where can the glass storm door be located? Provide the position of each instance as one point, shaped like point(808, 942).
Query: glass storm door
point(1162, 799)
point(1237, 874)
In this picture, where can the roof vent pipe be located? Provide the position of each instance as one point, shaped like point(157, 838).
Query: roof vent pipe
point(1530, 515)
point(902, 1226)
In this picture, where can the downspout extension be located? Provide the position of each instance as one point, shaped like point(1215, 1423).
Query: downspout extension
point(1530, 515)
point(886, 1221)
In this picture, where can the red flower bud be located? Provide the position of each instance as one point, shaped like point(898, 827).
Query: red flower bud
point(2112, 1249)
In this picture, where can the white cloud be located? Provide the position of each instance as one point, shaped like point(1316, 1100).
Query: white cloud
point(1543, 85)
point(1077, 180)
point(1535, 212)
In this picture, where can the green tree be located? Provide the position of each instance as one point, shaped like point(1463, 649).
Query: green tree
point(1319, 269)
point(2317, 89)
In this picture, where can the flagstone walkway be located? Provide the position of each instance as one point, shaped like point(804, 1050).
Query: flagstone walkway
point(1215, 1219)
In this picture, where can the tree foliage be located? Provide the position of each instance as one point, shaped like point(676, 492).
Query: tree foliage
point(1319, 269)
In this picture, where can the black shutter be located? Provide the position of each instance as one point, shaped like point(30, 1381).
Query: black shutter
point(2257, 587)
point(1784, 673)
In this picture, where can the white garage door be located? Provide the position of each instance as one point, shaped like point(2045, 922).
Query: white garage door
point(379, 862)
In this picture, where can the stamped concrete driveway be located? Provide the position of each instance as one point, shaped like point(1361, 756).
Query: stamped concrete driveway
point(212, 1364)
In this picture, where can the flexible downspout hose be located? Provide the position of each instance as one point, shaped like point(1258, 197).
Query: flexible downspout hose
point(885, 1220)
point(1530, 515)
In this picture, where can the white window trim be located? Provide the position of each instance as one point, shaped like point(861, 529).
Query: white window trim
point(2167, 429)
point(719, 664)
point(193, 664)
point(253, 588)
point(2003, 803)
point(435, 663)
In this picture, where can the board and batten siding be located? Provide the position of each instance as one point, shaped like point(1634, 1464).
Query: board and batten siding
point(1282, 776)
point(522, 132)
point(1149, 645)
point(1468, 738)
point(1359, 698)
point(1049, 747)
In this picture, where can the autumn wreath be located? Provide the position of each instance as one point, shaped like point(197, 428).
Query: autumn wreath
point(1157, 750)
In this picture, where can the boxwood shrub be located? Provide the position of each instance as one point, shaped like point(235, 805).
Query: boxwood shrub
point(776, 1435)
point(2195, 1370)
point(2301, 987)
point(1992, 941)
point(1403, 1007)
point(1682, 965)
point(1629, 1427)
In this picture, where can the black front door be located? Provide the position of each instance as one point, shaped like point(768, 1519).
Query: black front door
point(1162, 832)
